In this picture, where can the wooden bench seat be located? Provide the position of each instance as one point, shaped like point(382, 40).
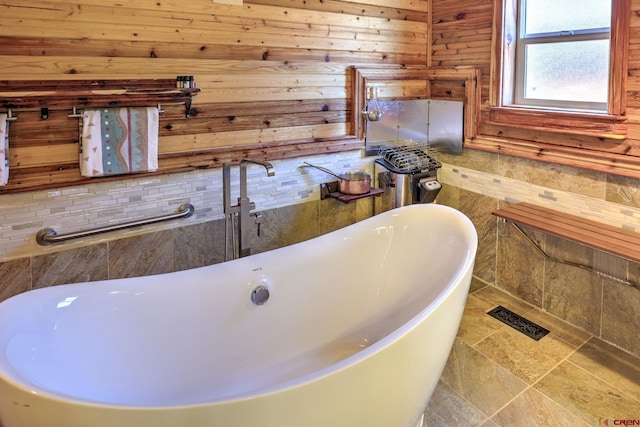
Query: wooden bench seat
point(607, 238)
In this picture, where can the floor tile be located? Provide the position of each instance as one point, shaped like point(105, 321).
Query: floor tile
point(499, 297)
point(587, 396)
point(448, 409)
point(526, 358)
point(476, 284)
point(476, 324)
point(575, 380)
point(611, 365)
point(559, 328)
point(532, 409)
point(482, 382)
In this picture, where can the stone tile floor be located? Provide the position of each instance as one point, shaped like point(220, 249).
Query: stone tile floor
point(497, 376)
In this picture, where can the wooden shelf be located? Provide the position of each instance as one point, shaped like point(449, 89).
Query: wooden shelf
point(66, 94)
point(330, 190)
point(607, 238)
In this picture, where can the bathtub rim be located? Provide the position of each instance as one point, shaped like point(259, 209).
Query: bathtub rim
point(469, 233)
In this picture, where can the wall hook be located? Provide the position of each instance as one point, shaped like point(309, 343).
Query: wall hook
point(75, 114)
point(187, 107)
point(44, 113)
point(10, 117)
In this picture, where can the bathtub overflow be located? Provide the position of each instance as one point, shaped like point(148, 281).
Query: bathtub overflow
point(260, 295)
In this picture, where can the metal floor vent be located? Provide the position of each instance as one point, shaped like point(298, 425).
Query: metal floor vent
point(518, 323)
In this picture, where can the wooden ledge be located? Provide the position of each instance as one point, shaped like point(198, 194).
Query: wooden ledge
point(66, 94)
point(607, 238)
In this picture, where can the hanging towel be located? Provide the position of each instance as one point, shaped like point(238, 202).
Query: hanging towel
point(4, 149)
point(119, 141)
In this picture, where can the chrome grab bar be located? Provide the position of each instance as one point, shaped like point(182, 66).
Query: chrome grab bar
point(48, 236)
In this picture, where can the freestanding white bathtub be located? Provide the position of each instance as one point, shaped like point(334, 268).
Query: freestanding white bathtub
point(355, 333)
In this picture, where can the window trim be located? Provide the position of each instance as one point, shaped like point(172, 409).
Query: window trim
point(610, 125)
point(520, 80)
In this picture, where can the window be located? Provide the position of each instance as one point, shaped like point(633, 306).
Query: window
point(563, 62)
point(561, 66)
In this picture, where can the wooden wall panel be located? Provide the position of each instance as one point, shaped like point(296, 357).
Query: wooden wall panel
point(462, 36)
point(274, 75)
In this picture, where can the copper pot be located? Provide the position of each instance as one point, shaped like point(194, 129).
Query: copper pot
point(352, 183)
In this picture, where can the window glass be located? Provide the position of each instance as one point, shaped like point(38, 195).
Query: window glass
point(562, 54)
point(564, 78)
point(567, 71)
point(552, 16)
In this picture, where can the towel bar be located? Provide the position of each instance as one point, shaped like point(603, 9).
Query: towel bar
point(48, 236)
point(75, 115)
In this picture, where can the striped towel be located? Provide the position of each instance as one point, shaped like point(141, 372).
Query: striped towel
point(4, 149)
point(119, 141)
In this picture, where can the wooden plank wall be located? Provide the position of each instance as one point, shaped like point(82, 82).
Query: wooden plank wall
point(274, 74)
point(461, 35)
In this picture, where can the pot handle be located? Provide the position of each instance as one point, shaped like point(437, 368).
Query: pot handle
point(325, 170)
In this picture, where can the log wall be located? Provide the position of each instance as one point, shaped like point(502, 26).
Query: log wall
point(461, 34)
point(274, 74)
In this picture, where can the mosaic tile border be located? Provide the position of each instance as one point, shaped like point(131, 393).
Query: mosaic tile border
point(76, 208)
point(514, 191)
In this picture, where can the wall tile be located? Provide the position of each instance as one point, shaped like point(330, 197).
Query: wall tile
point(592, 302)
point(472, 159)
point(199, 245)
point(15, 277)
point(566, 178)
point(334, 215)
point(143, 255)
point(621, 315)
point(515, 191)
point(623, 190)
point(450, 196)
point(573, 294)
point(71, 266)
point(297, 223)
point(520, 268)
point(22, 215)
point(364, 208)
point(478, 208)
point(268, 237)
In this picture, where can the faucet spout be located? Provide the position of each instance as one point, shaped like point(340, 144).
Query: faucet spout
point(268, 166)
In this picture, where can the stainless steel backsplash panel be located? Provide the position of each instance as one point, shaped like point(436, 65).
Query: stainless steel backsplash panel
point(436, 123)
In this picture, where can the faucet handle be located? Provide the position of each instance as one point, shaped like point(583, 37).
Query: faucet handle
point(258, 218)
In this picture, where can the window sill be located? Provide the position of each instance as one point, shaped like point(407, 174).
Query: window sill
point(575, 123)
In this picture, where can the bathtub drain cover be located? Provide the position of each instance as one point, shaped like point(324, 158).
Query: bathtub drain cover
point(518, 323)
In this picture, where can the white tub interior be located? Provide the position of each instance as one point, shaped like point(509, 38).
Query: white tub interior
point(191, 337)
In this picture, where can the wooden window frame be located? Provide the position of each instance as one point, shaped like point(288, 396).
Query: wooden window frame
point(365, 78)
point(611, 125)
